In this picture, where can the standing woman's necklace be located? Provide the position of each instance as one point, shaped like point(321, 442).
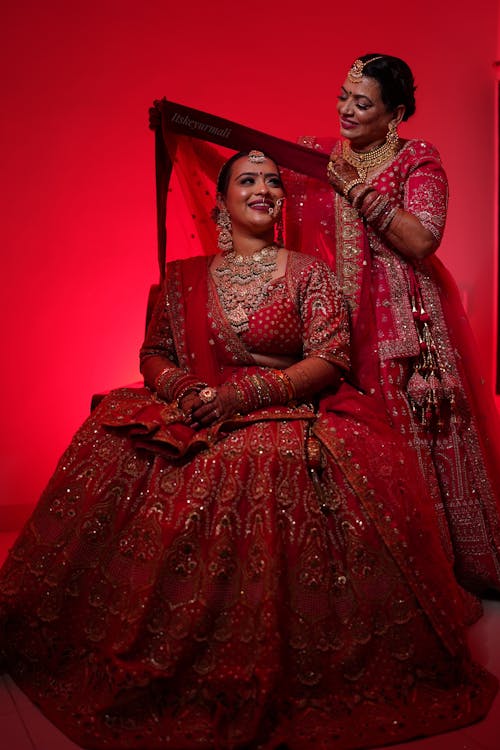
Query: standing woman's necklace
point(363, 161)
point(242, 282)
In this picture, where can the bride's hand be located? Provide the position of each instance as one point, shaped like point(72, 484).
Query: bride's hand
point(210, 405)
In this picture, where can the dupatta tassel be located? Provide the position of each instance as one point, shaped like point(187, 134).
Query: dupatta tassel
point(426, 394)
point(429, 387)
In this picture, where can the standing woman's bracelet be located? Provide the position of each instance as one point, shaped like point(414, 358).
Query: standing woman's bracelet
point(350, 185)
point(359, 196)
point(378, 210)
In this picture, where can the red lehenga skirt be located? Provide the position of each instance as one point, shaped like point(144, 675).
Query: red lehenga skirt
point(271, 580)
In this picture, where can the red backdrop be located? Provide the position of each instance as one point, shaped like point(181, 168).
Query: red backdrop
point(78, 190)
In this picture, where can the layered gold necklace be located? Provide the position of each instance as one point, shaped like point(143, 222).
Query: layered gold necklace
point(242, 282)
point(363, 161)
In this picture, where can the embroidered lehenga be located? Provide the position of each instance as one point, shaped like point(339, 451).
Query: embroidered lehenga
point(274, 580)
point(402, 313)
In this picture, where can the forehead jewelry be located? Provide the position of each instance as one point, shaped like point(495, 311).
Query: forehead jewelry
point(355, 74)
point(256, 157)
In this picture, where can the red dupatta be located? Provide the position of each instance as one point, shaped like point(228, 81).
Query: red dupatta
point(188, 284)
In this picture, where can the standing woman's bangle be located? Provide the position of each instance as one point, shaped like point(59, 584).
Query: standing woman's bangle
point(379, 211)
point(349, 186)
point(359, 196)
point(368, 202)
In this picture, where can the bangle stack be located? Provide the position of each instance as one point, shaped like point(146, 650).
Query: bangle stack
point(171, 384)
point(360, 196)
point(349, 185)
point(377, 209)
point(380, 212)
point(266, 388)
point(286, 382)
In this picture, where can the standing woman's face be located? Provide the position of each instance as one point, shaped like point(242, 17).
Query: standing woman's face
point(363, 116)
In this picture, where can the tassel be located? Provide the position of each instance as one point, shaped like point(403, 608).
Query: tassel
point(428, 387)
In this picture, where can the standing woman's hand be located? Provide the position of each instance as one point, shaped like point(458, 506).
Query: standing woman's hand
point(342, 176)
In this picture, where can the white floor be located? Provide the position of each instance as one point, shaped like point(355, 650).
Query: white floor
point(22, 726)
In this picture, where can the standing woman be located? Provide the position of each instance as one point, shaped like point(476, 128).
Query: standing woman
point(412, 344)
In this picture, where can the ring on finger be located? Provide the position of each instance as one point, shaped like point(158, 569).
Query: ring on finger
point(207, 394)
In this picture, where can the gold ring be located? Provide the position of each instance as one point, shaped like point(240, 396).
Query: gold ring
point(207, 394)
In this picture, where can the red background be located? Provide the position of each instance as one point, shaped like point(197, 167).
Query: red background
point(78, 226)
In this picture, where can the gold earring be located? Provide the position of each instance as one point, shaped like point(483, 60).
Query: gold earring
point(224, 229)
point(278, 227)
point(275, 211)
point(392, 138)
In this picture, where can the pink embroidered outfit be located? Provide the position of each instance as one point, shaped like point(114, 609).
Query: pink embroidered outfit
point(255, 583)
point(413, 349)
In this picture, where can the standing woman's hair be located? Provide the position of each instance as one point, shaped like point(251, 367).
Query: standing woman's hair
point(395, 78)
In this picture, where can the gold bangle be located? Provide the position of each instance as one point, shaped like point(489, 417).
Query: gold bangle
point(351, 184)
point(330, 170)
point(287, 382)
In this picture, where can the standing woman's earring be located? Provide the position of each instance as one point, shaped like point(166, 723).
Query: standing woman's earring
point(392, 139)
point(224, 229)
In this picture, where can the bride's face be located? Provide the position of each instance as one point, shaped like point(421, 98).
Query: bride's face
point(252, 192)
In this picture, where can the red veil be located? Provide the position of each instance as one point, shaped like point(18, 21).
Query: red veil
point(191, 146)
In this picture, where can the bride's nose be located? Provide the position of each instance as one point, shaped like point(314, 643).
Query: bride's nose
point(261, 186)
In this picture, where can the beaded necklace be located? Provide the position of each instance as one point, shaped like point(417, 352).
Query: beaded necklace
point(242, 282)
point(363, 161)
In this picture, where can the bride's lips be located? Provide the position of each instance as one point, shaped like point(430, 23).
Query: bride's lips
point(261, 206)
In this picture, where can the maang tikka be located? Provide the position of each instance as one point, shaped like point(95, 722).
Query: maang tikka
point(355, 73)
point(256, 157)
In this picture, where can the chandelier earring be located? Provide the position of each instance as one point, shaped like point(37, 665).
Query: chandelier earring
point(392, 138)
point(224, 229)
point(277, 214)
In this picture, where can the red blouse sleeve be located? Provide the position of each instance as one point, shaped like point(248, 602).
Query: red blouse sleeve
point(323, 313)
point(159, 341)
point(426, 187)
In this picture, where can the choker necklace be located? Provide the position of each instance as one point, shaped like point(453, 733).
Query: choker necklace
point(363, 161)
point(242, 282)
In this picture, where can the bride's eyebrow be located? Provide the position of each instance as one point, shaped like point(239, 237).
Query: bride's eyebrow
point(256, 174)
